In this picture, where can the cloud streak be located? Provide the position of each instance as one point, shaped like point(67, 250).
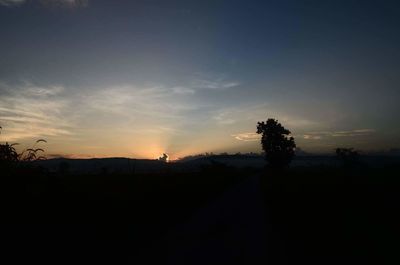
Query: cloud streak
point(197, 85)
point(47, 3)
point(329, 134)
point(65, 3)
point(219, 84)
point(250, 136)
point(32, 112)
point(247, 137)
point(29, 111)
point(11, 3)
point(152, 101)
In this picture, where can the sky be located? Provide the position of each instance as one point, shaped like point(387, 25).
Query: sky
point(137, 78)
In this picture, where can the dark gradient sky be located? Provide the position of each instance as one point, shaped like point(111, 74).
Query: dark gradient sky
point(138, 78)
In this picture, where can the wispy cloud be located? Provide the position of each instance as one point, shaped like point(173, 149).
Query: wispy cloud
point(224, 118)
point(312, 137)
point(12, 2)
point(316, 136)
point(347, 133)
point(203, 84)
point(152, 101)
point(183, 90)
point(251, 113)
point(247, 137)
point(65, 3)
point(32, 112)
point(217, 84)
point(351, 133)
point(48, 3)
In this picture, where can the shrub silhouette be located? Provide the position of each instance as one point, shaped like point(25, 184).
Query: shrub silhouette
point(279, 148)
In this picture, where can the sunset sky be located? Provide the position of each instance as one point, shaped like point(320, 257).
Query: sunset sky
point(137, 78)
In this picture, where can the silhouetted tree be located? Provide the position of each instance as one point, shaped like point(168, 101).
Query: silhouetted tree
point(278, 146)
point(348, 156)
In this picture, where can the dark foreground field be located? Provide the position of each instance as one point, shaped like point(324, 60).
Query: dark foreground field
point(334, 216)
point(217, 215)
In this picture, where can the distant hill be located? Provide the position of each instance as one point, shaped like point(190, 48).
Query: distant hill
point(195, 163)
point(103, 165)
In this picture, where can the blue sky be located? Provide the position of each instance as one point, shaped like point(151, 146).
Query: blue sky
point(138, 78)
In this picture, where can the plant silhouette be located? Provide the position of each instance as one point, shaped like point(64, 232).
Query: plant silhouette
point(278, 147)
point(9, 155)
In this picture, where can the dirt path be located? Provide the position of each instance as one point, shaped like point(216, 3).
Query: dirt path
point(228, 231)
